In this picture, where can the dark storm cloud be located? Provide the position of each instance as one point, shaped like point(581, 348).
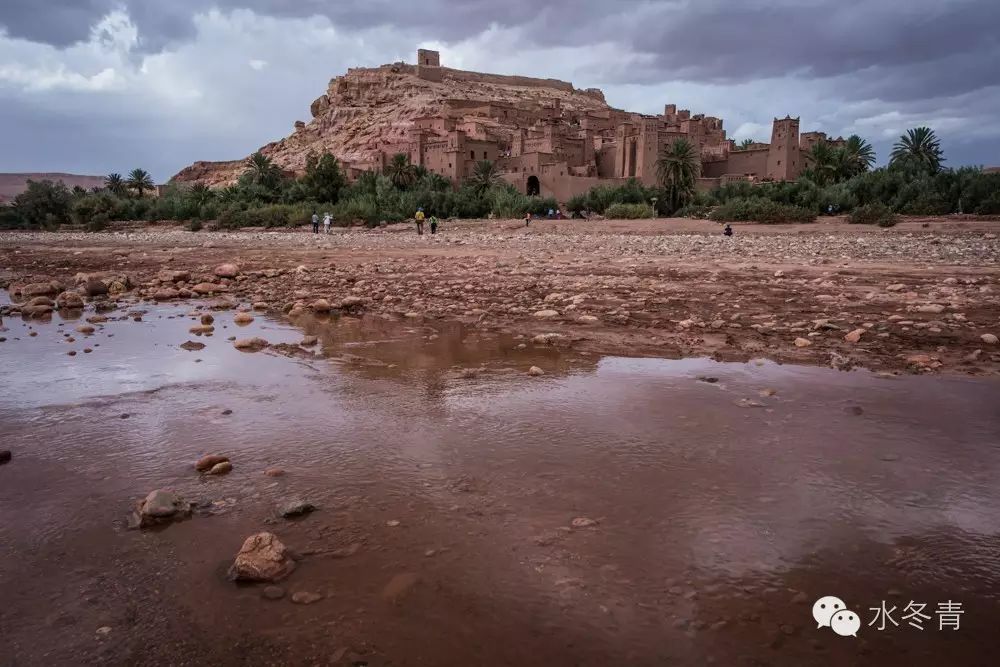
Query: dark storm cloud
point(914, 48)
point(903, 48)
point(56, 22)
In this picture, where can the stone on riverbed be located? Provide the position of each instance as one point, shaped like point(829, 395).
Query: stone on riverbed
point(191, 346)
point(242, 318)
point(222, 468)
point(295, 508)
point(261, 558)
point(209, 288)
point(69, 300)
point(208, 461)
point(5, 456)
point(535, 371)
point(160, 506)
point(227, 270)
point(254, 344)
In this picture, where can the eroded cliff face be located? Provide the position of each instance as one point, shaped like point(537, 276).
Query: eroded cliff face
point(372, 110)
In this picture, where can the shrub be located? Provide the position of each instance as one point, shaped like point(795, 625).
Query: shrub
point(95, 211)
point(758, 209)
point(194, 226)
point(541, 205)
point(873, 214)
point(989, 206)
point(43, 204)
point(577, 203)
point(629, 211)
point(697, 211)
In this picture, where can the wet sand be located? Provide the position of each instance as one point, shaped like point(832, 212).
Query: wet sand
point(723, 499)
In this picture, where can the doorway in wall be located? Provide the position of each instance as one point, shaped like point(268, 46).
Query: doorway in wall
point(533, 188)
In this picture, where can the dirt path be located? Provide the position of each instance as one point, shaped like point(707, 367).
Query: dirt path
point(919, 297)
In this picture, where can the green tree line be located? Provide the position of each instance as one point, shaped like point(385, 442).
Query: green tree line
point(837, 179)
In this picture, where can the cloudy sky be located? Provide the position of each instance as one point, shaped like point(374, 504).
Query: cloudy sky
point(93, 86)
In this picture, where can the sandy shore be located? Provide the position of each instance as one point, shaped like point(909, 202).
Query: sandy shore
point(920, 297)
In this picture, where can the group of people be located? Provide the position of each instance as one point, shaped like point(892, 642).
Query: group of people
point(326, 223)
point(420, 217)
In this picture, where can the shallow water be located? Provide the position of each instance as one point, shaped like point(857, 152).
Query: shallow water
point(716, 503)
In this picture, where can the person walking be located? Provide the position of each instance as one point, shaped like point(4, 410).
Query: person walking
point(326, 223)
point(728, 231)
point(527, 219)
point(315, 221)
point(434, 225)
point(419, 217)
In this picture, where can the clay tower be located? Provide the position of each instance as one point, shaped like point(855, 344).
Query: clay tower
point(783, 161)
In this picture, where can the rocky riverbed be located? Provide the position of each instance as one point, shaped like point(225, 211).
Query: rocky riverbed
point(921, 297)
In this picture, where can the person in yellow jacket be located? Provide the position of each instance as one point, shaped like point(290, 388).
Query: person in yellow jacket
point(420, 221)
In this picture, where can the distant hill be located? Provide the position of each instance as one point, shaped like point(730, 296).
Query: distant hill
point(12, 185)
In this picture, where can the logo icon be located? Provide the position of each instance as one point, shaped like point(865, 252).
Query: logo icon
point(832, 612)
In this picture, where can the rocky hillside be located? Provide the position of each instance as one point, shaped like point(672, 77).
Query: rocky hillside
point(371, 107)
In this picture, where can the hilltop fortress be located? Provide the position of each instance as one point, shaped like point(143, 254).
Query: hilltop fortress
point(546, 136)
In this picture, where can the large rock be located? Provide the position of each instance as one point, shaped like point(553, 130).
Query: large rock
point(166, 294)
point(242, 319)
point(254, 344)
point(352, 303)
point(208, 461)
point(988, 338)
point(69, 300)
point(40, 289)
point(295, 507)
point(95, 288)
point(40, 310)
point(168, 276)
point(546, 314)
point(209, 288)
point(321, 306)
point(227, 270)
point(160, 506)
point(262, 558)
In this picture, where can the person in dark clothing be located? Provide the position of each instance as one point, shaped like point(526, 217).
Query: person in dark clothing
point(728, 231)
point(434, 225)
point(527, 219)
point(315, 220)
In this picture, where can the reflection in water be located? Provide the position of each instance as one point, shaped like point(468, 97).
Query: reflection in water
point(722, 507)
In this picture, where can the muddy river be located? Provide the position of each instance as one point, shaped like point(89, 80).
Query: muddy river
point(613, 511)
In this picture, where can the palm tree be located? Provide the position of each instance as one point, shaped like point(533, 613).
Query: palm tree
point(401, 171)
point(677, 169)
point(824, 163)
point(199, 194)
point(140, 181)
point(860, 155)
point(919, 146)
point(485, 175)
point(115, 184)
point(261, 170)
point(745, 144)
